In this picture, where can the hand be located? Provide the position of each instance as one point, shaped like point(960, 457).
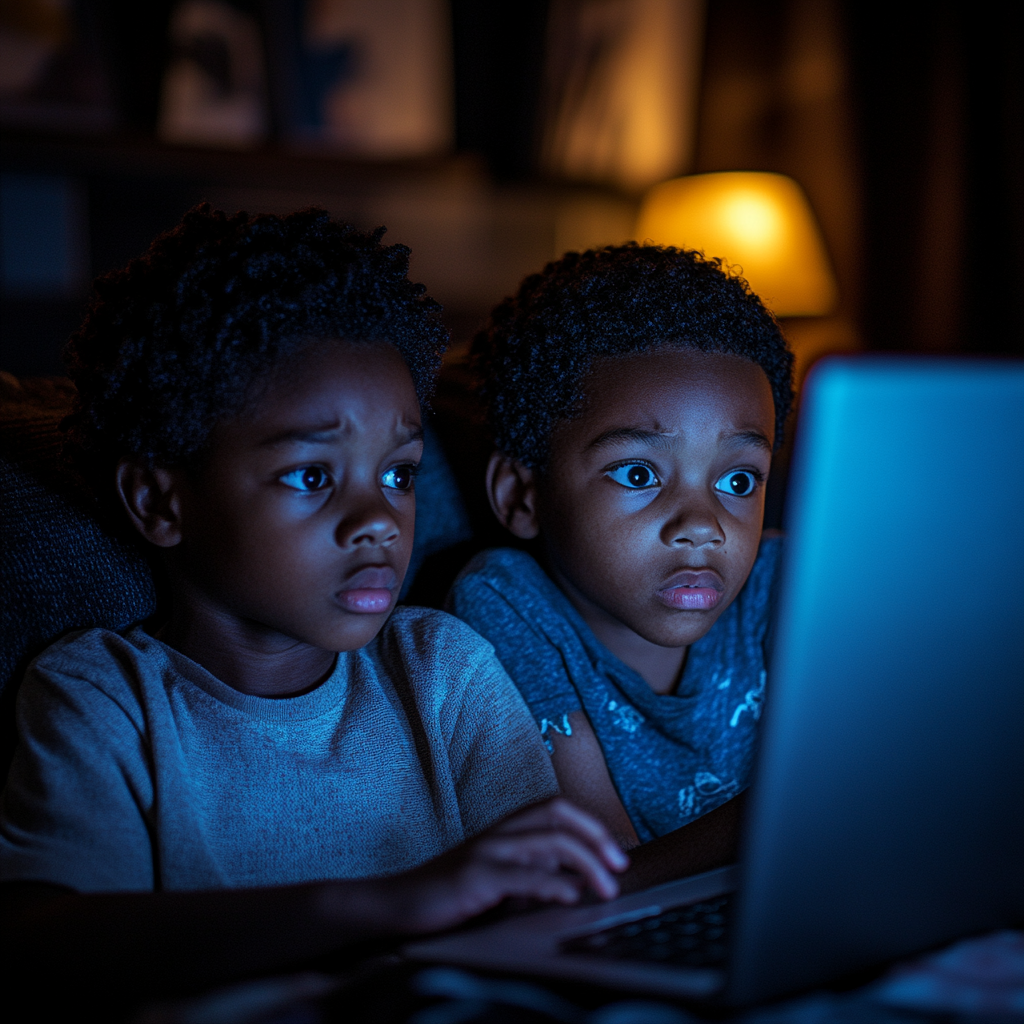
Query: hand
point(551, 851)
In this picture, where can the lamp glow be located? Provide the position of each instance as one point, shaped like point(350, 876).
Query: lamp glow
point(758, 222)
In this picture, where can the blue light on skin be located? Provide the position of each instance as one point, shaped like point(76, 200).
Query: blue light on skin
point(658, 485)
point(650, 512)
point(291, 540)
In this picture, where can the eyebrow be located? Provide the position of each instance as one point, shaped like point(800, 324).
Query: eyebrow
point(656, 439)
point(323, 434)
point(750, 437)
point(652, 438)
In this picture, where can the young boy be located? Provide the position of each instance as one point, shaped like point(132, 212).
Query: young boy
point(635, 395)
point(225, 790)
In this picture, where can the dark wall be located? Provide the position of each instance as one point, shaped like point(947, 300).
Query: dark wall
point(907, 134)
point(499, 53)
point(777, 95)
point(941, 140)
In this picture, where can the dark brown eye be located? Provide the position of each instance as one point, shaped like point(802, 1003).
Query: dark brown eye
point(313, 478)
point(634, 475)
point(740, 483)
point(399, 478)
point(309, 478)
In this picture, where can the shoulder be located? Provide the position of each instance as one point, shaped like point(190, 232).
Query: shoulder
point(441, 659)
point(106, 661)
point(428, 626)
point(499, 587)
point(501, 569)
point(89, 683)
point(430, 639)
point(509, 598)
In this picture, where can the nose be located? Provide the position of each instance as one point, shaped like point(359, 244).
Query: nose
point(694, 521)
point(367, 521)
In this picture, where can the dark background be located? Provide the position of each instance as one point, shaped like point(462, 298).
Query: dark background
point(910, 145)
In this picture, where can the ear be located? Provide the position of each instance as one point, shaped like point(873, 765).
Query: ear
point(512, 491)
point(152, 499)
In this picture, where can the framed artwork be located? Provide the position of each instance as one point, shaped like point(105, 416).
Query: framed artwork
point(620, 89)
point(368, 77)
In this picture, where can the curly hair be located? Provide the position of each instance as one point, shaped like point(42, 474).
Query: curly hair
point(539, 345)
point(176, 341)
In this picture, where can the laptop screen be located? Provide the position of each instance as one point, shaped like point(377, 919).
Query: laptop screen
point(888, 805)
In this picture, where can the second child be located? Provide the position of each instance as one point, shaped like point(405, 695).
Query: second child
point(636, 395)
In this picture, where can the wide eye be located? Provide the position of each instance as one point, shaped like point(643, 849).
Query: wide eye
point(400, 478)
point(637, 476)
point(738, 482)
point(308, 478)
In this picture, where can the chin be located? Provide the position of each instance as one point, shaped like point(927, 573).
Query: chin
point(680, 634)
point(353, 639)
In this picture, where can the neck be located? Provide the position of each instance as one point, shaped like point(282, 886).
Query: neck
point(247, 656)
point(659, 667)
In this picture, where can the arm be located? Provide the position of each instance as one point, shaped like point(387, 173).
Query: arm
point(583, 778)
point(163, 943)
point(709, 842)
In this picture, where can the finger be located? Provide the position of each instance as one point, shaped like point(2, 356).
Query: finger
point(437, 902)
point(551, 851)
point(510, 880)
point(560, 813)
point(592, 830)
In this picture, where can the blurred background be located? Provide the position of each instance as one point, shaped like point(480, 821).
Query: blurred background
point(493, 136)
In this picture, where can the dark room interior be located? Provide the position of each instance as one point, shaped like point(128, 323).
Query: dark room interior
point(491, 138)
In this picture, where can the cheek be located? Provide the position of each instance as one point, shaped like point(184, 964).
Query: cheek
point(748, 520)
point(743, 537)
point(404, 511)
point(405, 518)
point(573, 521)
point(598, 542)
point(263, 545)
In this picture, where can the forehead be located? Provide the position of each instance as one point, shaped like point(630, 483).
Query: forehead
point(674, 390)
point(356, 384)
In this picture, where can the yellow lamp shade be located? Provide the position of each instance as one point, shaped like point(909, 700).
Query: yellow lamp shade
point(760, 223)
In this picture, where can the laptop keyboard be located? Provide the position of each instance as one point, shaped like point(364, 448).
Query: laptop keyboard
point(692, 936)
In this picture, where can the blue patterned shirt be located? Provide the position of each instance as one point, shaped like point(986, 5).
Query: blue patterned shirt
point(672, 757)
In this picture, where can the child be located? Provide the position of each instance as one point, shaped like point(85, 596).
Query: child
point(229, 786)
point(635, 395)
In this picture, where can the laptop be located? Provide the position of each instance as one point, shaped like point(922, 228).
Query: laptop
point(886, 813)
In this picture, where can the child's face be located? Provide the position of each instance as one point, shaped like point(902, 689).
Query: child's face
point(652, 503)
point(301, 519)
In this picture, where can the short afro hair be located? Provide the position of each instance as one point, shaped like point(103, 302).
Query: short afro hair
point(177, 340)
point(539, 345)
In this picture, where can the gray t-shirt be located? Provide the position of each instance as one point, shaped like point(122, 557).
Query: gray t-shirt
point(137, 769)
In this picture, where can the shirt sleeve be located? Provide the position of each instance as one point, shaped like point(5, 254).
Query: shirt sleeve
point(533, 662)
point(497, 756)
point(74, 810)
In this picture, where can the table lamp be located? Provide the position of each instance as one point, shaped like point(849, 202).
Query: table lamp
point(760, 223)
